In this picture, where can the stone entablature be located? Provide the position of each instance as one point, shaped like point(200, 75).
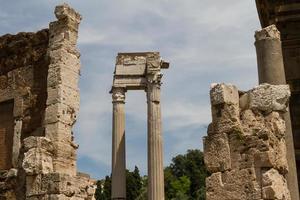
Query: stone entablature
point(245, 149)
point(133, 70)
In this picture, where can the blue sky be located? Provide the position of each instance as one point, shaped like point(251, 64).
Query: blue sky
point(205, 41)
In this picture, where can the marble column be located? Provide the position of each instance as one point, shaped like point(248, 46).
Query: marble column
point(155, 143)
point(118, 182)
point(271, 70)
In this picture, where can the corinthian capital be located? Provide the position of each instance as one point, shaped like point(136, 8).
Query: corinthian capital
point(154, 78)
point(118, 95)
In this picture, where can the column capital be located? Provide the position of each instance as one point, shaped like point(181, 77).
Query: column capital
point(153, 88)
point(118, 95)
point(154, 78)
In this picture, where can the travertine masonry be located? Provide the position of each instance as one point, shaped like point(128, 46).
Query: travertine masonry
point(62, 88)
point(245, 149)
point(39, 103)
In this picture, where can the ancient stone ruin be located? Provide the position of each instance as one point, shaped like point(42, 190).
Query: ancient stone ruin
point(248, 140)
point(245, 149)
point(285, 14)
point(39, 102)
point(251, 150)
point(138, 71)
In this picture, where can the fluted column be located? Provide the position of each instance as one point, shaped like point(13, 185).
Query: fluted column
point(271, 70)
point(155, 142)
point(118, 183)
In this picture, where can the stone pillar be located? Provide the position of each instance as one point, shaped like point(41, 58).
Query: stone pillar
point(118, 145)
point(271, 70)
point(155, 142)
point(62, 104)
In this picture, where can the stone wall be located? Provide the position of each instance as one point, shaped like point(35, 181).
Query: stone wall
point(23, 81)
point(39, 75)
point(245, 149)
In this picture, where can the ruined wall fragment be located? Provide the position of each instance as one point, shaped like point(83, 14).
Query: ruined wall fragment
point(245, 148)
point(62, 87)
point(39, 75)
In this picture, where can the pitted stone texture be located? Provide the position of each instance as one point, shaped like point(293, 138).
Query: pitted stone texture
point(223, 94)
point(38, 142)
point(65, 11)
point(274, 185)
point(225, 108)
point(235, 184)
point(39, 74)
point(62, 87)
point(218, 153)
point(36, 161)
point(8, 183)
point(269, 98)
point(245, 147)
point(270, 32)
point(58, 185)
point(38, 155)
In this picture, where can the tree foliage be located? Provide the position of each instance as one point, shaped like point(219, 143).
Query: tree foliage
point(133, 183)
point(184, 180)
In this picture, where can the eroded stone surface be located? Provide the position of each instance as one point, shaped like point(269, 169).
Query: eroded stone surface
point(245, 149)
point(39, 75)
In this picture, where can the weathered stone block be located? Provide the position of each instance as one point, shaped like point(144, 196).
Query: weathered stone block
point(37, 142)
point(217, 153)
point(64, 11)
point(235, 184)
point(223, 94)
point(65, 158)
point(59, 183)
point(60, 113)
point(37, 161)
point(249, 138)
point(268, 98)
point(66, 57)
point(270, 32)
point(274, 186)
point(63, 94)
point(59, 131)
point(34, 186)
point(225, 118)
point(276, 124)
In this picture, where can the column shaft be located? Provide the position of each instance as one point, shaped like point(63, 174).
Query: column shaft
point(155, 144)
point(271, 70)
point(118, 148)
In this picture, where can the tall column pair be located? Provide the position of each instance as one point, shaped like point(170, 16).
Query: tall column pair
point(155, 146)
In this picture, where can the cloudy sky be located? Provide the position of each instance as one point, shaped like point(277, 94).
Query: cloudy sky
point(206, 41)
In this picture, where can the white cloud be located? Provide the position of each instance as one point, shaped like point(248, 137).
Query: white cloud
point(184, 114)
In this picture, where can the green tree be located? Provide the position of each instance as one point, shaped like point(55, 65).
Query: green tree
point(176, 188)
point(133, 183)
point(181, 185)
point(184, 180)
point(103, 190)
point(192, 166)
point(99, 190)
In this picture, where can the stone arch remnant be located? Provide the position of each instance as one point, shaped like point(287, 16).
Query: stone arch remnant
point(138, 71)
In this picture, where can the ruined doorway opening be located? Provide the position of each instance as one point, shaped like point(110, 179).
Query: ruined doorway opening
point(6, 134)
